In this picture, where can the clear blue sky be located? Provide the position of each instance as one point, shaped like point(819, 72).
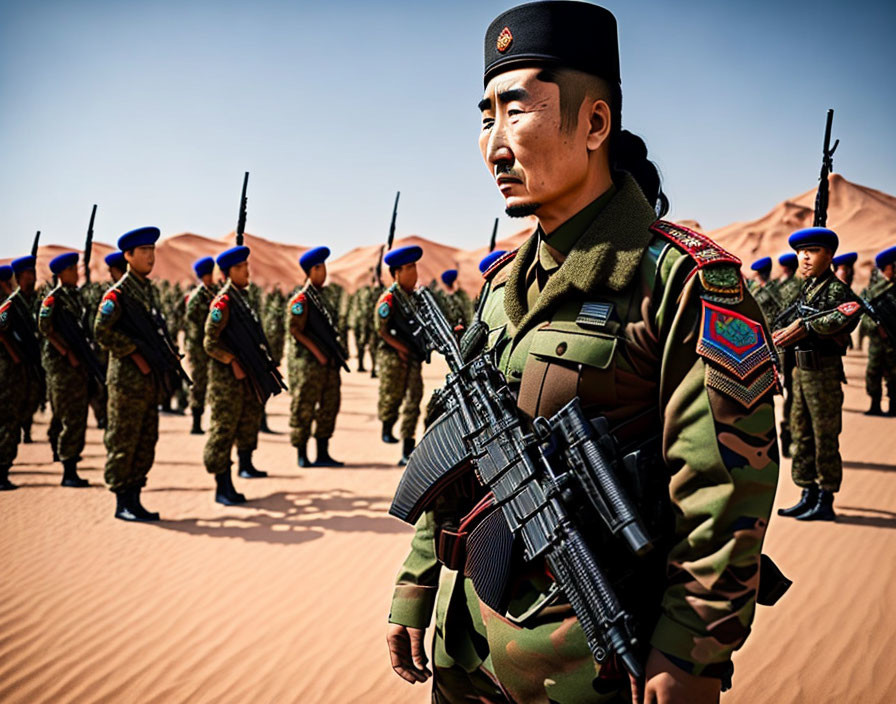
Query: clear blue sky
point(155, 109)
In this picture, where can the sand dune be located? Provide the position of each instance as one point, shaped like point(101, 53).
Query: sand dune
point(285, 599)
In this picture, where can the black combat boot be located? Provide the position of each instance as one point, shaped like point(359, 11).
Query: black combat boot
point(823, 510)
point(361, 363)
point(197, 422)
point(5, 484)
point(323, 455)
point(247, 469)
point(26, 433)
point(129, 508)
point(388, 437)
point(302, 452)
point(806, 502)
point(225, 492)
point(407, 447)
point(264, 428)
point(70, 475)
point(55, 451)
point(875, 409)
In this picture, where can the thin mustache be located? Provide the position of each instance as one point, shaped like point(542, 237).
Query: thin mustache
point(504, 170)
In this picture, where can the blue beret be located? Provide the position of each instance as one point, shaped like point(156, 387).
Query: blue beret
point(403, 255)
point(204, 266)
point(313, 257)
point(490, 259)
point(232, 257)
point(790, 260)
point(814, 237)
point(23, 264)
point(888, 256)
point(140, 237)
point(764, 264)
point(63, 261)
point(117, 260)
point(6, 272)
point(449, 276)
point(847, 259)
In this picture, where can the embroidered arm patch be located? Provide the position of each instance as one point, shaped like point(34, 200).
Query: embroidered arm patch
point(385, 308)
point(46, 308)
point(739, 361)
point(107, 306)
point(298, 304)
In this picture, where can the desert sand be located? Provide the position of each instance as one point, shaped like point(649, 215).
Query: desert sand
point(285, 599)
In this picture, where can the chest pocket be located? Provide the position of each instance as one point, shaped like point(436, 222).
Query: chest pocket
point(565, 360)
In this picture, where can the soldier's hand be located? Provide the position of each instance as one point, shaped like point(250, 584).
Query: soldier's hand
point(321, 359)
point(141, 363)
point(72, 359)
point(794, 332)
point(403, 355)
point(407, 653)
point(238, 371)
point(666, 683)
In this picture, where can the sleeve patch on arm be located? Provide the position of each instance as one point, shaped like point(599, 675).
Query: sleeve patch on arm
point(298, 304)
point(46, 308)
point(216, 314)
point(107, 307)
point(849, 308)
point(385, 307)
point(739, 362)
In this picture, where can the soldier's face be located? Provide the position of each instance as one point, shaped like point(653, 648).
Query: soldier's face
point(889, 271)
point(115, 273)
point(814, 261)
point(239, 274)
point(406, 276)
point(207, 279)
point(6, 287)
point(538, 166)
point(142, 259)
point(69, 276)
point(844, 273)
point(26, 280)
point(318, 274)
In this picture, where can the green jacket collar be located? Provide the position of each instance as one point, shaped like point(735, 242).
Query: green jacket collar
point(607, 254)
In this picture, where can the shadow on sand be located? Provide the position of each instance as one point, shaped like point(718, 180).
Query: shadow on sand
point(882, 519)
point(291, 517)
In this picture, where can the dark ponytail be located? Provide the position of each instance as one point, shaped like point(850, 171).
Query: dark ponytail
point(628, 152)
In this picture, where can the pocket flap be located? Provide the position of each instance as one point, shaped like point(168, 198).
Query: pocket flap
point(574, 346)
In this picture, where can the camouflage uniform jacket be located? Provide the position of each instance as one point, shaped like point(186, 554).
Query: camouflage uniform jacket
point(19, 305)
point(113, 340)
point(872, 291)
point(61, 297)
point(830, 311)
point(198, 302)
point(650, 325)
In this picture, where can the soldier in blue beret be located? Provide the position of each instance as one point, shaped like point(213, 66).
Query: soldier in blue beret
point(129, 326)
point(117, 265)
point(585, 308)
point(70, 362)
point(242, 376)
point(787, 288)
point(26, 293)
point(456, 305)
point(197, 306)
point(881, 292)
point(399, 360)
point(844, 267)
point(763, 288)
point(816, 331)
point(317, 353)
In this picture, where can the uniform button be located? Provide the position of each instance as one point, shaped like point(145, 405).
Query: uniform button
point(561, 349)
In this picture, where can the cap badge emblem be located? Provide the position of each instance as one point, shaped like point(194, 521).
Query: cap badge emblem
point(505, 39)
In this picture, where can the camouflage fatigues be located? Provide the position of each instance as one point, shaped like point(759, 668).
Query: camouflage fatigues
point(881, 350)
point(401, 383)
point(132, 428)
point(236, 410)
point(682, 358)
point(315, 389)
point(816, 415)
point(15, 376)
point(67, 385)
point(766, 297)
point(199, 301)
point(91, 295)
point(787, 290)
point(361, 320)
point(273, 323)
point(35, 393)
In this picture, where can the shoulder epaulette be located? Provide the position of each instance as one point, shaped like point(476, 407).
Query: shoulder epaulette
point(499, 263)
point(717, 268)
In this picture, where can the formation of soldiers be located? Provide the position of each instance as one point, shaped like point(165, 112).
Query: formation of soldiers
point(113, 346)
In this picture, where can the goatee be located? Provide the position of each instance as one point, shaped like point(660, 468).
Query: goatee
point(522, 211)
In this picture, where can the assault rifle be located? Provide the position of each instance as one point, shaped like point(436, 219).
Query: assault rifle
point(389, 241)
point(241, 219)
point(73, 332)
point(493, 240)
point(407, 327)
point(827, 165)
point(536, 473)
point(245, 337)
point(35, 244)
point(88, 247)
point(148, 331)
point(323, 329)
